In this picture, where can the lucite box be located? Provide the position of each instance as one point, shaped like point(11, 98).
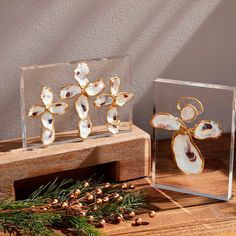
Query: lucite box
point(57, 76)
point(194, 138)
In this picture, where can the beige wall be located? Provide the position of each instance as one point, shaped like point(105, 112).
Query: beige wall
point(182, 39)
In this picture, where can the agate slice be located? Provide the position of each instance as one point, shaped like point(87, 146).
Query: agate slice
point(85, 128)
point(59, 108)
point(115, 85)
point(95, 88)
point(70, 91)
point(114, 128)
point(36, 110)
point(80, 73)
point(47, 96)
point(112, 116)
point(48, 136)
point(165, 121)
point(47, 120)
point(186, 154)
point(207, 129)
point(103, 100)
point(82, 106)
point(123, 97)
point(188, 113)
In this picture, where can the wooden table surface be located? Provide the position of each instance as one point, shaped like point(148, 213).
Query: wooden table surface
point(181, 214)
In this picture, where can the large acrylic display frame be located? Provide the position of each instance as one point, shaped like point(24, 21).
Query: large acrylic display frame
point(56, 76)
point(215, 181)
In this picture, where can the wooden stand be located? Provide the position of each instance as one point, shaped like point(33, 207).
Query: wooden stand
point(128, 153)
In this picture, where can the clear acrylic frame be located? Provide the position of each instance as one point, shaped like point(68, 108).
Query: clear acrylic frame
point(56, 76)
point(215, 181)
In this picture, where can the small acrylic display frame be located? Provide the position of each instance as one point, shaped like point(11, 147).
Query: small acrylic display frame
point(56, 76)
point(215, 181)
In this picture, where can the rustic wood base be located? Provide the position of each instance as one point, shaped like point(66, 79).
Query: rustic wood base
point(128, 153)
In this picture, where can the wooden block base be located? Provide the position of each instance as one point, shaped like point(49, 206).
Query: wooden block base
point(129, 155)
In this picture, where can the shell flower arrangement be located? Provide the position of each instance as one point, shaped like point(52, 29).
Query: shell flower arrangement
point(81, 94)
point(114, 100)
point(47, 113)
point(186, 154)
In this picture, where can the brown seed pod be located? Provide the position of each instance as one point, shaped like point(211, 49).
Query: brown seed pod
point(124, 186)
point(90, 197)
point(82, 213)
point(138, 221)
point(132, 186)
point(95, 208)
point(80, 204)
point(102, 222)
point(45, 208)
point(132, 214)
point(72, 195)
point(99, 201)
point(98, 191)
point(107, 185)
point(151, 214)
point(119, 199)
point(64, 205)
point(86, 184)
point(119, 218)
point(77, 192)
point(54, 201)
point(90, 218)
point(116, 195)
point(75, 207)
point(105, 199)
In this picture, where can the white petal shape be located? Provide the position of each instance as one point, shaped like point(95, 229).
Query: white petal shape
point(48, 136)
point(165, 121)
point(112, 116)
point(207, 129)
point(123, 97)
point(114, 128)
point(103, 100)
point(115, 85)
point(85, 128)
point(188, 113)
point(70, 91)
point(82, 106)
point(82, 80)
point(59, 108)
point(47, 120)
point(81, 69)
point(186, 154)
point(95, 88)
point(35, 111)
point(47, 96)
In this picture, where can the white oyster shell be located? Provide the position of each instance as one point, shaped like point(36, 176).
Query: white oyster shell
point(70, 91)
point(81, 71)
point(95, 88)
point(47, 120)
point(114, 128)
point(112, 115)
point(115, 85)
point(165, 121)
point(186, 154)
point(35, 111)
point(188, 113)
point(85, 128)
point(207, 129)
point(59, 108)
point(47, 96)
point(48, 136)
point(82, 106)
point(103, 100)
point(123, 97)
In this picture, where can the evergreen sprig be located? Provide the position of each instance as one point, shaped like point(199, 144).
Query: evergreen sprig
point(39, 214)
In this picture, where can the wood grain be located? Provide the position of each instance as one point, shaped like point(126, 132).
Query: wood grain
point(123, 151)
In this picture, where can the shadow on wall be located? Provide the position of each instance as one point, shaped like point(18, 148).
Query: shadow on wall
point(208, 56)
